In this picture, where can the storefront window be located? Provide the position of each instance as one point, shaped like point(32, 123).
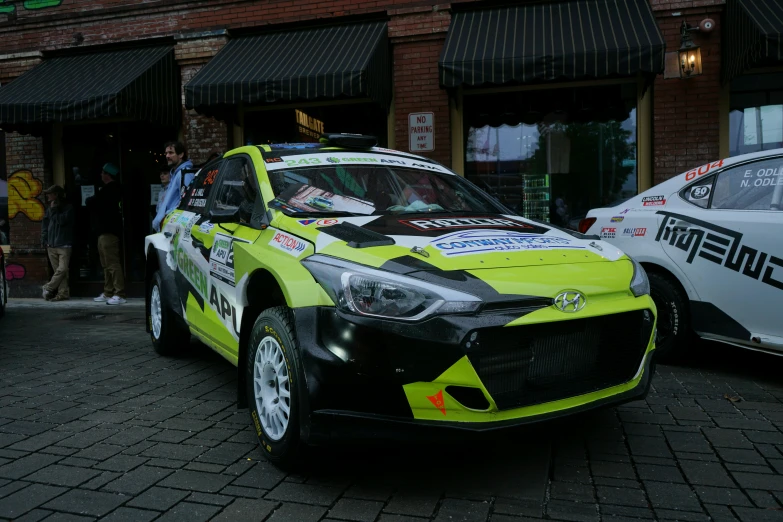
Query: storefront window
point(5, 228)
point(306, 124)
point(554, 154)
point(756, 117)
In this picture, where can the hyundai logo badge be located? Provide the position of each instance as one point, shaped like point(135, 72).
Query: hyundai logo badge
point(570, 301)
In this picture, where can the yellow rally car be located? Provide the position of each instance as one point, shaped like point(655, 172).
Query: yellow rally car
point(358, 286)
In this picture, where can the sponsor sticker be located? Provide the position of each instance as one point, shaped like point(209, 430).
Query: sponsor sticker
point(653, 201)
point(471, 222)
point(288, 244)
point(326, 222)
point(617, 219)
point(305, 222)
point(483, 241)
point(625, 211)
point(343, 158)
point(722, 246)
point(206, 226)
point(221, 258)
point(635, 232)
point(437, 401)
point(608, 232)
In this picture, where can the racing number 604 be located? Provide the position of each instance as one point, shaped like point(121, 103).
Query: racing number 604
point(703, 170)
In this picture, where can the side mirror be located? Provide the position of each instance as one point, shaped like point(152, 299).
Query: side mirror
point(224, 216)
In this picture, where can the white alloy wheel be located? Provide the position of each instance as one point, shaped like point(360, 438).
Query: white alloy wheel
point(155, 311)
point(272, 388)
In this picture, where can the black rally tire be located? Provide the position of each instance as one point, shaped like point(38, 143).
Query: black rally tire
point(674, 327)
point(173, 336)
point(277, 324)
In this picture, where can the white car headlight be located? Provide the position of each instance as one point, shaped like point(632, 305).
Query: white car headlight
point(640, 285)
point(367, 291)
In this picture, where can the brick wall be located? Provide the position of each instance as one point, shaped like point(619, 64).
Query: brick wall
point(677, 5)
point(686, 116)
point(28, 174)
point(203, 135)
point(417, 37)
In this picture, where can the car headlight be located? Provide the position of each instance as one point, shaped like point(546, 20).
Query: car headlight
point(367, 291)
point(640, 285)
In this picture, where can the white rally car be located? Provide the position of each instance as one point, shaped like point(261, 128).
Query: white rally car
point(711, 241)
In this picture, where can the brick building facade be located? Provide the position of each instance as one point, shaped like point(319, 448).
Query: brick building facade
point(676, 123)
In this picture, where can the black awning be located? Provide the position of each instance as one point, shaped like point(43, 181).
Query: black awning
point(140, 83)
point(753, 32)
point(350, 61)
point(565, 40)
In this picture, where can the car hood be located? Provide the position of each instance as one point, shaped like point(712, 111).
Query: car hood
point(447, 241)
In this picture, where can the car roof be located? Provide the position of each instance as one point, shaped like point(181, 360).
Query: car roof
point(687, 177)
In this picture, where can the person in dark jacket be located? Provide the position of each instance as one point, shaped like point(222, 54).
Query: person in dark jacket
point(106, 207)
point(57, 238)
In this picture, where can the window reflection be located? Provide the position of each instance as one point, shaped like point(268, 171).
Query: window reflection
point(756, 116)
point(553, 155)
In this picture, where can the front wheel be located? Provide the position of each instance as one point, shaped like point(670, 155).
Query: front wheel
point(272, 386)
point(168, 336)
point(674, 329)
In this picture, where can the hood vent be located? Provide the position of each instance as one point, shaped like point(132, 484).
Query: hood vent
point(355, 236)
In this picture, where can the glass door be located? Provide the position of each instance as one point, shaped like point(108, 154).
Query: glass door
point(137, 149)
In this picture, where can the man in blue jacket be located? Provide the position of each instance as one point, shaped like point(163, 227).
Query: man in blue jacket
point(176, 157)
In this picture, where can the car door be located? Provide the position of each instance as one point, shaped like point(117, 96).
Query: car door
point(184, 258)
point(724, 232)
point(230, 220)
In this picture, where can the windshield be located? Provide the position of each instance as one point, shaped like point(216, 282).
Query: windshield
point(375, 190)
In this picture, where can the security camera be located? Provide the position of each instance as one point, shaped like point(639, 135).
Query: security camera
point(707, 25)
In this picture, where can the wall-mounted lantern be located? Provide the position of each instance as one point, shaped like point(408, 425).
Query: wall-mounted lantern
point(690, 53)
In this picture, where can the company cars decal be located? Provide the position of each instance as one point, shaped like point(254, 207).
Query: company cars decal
point(721, 246)
point(478, 241)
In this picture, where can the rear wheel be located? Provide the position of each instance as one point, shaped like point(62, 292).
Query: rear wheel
point(168, 336)
point(273, 386)
point(674, 329)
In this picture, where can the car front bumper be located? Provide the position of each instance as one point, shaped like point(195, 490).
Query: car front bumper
point(370, 377)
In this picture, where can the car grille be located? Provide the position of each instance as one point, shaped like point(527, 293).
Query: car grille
point(533, 364)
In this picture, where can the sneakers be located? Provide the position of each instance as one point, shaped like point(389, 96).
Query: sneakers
point(59, 298)
point(116, 300)
point(46, 294)
point(101, 297)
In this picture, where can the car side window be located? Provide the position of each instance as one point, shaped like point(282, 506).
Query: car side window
point(237, 188)
point(752, 186)
point(698, 193)
point(197, 194)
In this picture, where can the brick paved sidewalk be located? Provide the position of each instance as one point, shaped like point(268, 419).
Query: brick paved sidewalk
point(94, 425)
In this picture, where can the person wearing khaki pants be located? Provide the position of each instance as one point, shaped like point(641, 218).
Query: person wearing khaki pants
point(113, 278)
point(106, 207)
point(57, 238)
